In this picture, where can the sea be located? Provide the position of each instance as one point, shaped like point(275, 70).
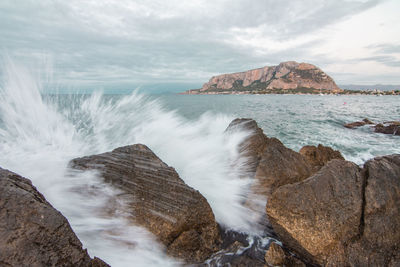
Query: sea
point(41, 132)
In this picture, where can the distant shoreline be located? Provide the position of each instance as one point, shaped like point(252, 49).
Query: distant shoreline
point(290, 92)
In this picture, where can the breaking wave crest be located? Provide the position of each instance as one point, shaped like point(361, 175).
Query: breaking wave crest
point(40, 134)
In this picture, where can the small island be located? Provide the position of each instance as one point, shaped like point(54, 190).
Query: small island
point(286, 78)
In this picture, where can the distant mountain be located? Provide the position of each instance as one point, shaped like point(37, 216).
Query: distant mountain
point(286, 77)
point(382, 87)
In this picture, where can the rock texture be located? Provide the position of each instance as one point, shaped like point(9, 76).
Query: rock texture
point(279, 166)
point(32, 232)
point(318, 156)
point(342, 215)
point(286, 76)
point(315, 215)
point(277, 256)
point(158, 199)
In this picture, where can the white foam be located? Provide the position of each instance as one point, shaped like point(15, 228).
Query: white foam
point(38, 137)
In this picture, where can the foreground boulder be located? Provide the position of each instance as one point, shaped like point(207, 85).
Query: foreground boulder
point(318, 156)
point(379, 244)
point(342, 215)
point(314, 216)
point(32, 232)
point(158, 199)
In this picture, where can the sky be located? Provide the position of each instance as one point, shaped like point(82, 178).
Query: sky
point(179, 45)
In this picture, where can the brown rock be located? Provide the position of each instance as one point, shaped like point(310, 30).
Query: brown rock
point(342, 216)
point(388, 128)
point(279, 166)
point(318, 156)
point(177, 214)
point(253, 146)
point(380, 238)
point(274, 164)
point(316, 216)
point(358, 123)
point(275, 255)
point(32, 232)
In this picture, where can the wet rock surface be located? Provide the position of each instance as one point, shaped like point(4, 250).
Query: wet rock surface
point(392, 127)
point(32, 232)
point(387, 127)
point(356, 124)
point(253, 146)
point(318, 156)
point(159, 200)
point(274, 164)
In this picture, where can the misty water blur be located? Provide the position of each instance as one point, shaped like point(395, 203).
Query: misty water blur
point(40, 134)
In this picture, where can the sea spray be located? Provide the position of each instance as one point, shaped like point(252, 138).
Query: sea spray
point(40, 134)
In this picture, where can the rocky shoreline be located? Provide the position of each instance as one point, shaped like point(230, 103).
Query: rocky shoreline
point(321, 211)
point(308, 91)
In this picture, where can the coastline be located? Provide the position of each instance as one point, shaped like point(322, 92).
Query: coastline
point(290, 92)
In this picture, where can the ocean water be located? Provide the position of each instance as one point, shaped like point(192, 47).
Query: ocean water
point(41, 133)
point(299, 120)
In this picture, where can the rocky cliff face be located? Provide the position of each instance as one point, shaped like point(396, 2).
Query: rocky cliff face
point(286, 76)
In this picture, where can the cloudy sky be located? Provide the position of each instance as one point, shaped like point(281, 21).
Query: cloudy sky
point(176, 44)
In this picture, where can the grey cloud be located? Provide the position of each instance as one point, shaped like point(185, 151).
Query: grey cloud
point(189, 46)
point(386, 60)
point(386, 48)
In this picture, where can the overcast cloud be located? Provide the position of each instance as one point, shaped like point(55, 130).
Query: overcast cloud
point(139, 42)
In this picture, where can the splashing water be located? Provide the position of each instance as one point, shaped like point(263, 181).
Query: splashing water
point(40, 134)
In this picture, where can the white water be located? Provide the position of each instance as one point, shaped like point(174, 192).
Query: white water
point(38, 137)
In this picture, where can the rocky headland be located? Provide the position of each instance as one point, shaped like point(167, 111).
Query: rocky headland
point(286, 78)
point(321, 211)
